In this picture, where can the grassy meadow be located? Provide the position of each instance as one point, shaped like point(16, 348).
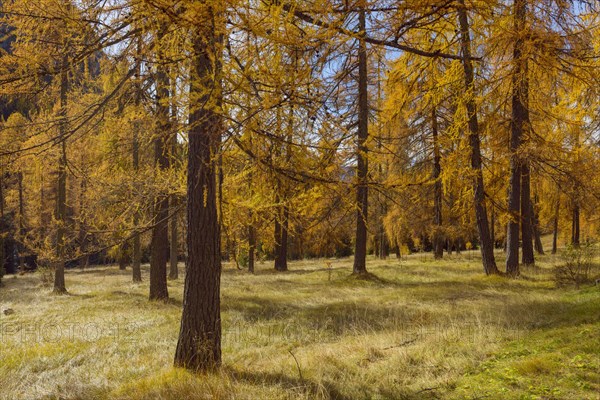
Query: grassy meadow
point(417, 329)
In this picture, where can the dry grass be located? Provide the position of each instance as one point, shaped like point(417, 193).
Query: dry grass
point(422, 329)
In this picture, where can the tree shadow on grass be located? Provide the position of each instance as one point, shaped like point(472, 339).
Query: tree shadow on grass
point(343, 317)
point(294, 385)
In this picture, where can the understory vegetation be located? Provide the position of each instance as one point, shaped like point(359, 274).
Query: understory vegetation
point(415, 328)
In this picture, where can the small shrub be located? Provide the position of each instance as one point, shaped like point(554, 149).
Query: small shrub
point(577, 265)
point(243, 259)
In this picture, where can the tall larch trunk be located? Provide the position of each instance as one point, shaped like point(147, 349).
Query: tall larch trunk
point(174, 201)
point(21, 233)
point(159, 247)
point(61, 198)
point(199, 345)
point(486, 245)
point(136, 257)
point(519, 119)
point(362, 161)
point(438, 237)
point(82, 235)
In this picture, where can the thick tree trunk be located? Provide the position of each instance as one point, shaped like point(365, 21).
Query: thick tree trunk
point(136, 250)
point(61, 199)
point(159, 251)
point(526, 216)
point(362, 190)
point(487, 247)
point(199, 345)
point(519, 120)
point(438, 237)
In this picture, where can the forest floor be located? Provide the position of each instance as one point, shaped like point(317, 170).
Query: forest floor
point(418, 329)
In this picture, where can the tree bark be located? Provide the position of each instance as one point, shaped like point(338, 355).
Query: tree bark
point(174, 251)
point(487, 247)
point(81, 233)
point(61, 199)
point(199, 344)
point(575, 231)
point(136, 251)
point(159, 251)
point(174, 201)
point(21, 232)
point(519, 118)
point(362, 190)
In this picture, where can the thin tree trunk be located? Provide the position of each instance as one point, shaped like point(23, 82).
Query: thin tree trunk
point(136, 251)
point(493, 227)
point(174, 250)
point(159, 255)
point(199, 344)
point(362, 190)
point(82, 236)
point(526, 216)
point(487, 247)
point(537, 235)
point(61, 200)
point(575, 232)
point(251, 247)
point(519, 119)
point(555, 223)
point(438, 237)
point(281, 256)
point(174, 201)
point(21, 234)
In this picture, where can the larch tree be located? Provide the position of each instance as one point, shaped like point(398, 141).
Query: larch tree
point(199, 343)
point(486, 245)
